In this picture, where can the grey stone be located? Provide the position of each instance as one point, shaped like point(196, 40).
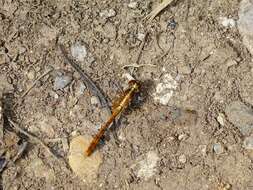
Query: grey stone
point(80, 88)
point(61, 81)
point(241, 116)
point(245, 23)
point(248, 143)
point(218, 148)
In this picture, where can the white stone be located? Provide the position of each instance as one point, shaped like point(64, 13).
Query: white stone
point(133, 5)
point(165, 89)
point(147, 166)
point(220, 119)
point(182, 159)
point(227, 22)
point(78, 51)
point(140, 36)
point(108, 13)
point(182, 137)
point(94, 100)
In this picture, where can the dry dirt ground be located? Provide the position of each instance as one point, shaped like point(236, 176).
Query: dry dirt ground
point(177, 138)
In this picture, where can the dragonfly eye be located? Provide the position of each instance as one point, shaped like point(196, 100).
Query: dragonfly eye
point(132, 82)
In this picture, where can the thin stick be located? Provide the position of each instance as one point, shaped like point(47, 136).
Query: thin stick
point(86, 79)
point(138, 55)
point(137, 66)
point(34, 83)
point(20, 151)
point(1, 123)
point(158, 9)
point(141, 48)
point(33, 138)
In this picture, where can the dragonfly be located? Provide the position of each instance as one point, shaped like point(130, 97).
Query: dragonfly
point(118, 106)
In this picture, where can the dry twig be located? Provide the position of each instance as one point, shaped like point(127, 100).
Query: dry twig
point(158, 9)
point(1, 124)
point(86, 79)
point(34, 83)
point(137, 66)
point(33, 138)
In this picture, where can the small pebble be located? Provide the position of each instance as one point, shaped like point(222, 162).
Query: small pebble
point(248, 143)
point(227, 22)
point(22, 50)
point(133, 5)
point(182, 159)
point(31, 74)
point(220, 119)
point(78, 51)
point(94, 100)
point(65, 144)
point(80, 89)
point(185, 70)
point(182, 137)
point(108, 13)
point(122, 136)
point(231, 63)
point(56, 96)
point(62, 81)
point(140, 36)
point(172, 24)
point(203, 149)
point(218, 148)
point(75, 133)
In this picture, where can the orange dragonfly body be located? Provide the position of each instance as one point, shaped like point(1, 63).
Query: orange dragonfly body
point(117, 108)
